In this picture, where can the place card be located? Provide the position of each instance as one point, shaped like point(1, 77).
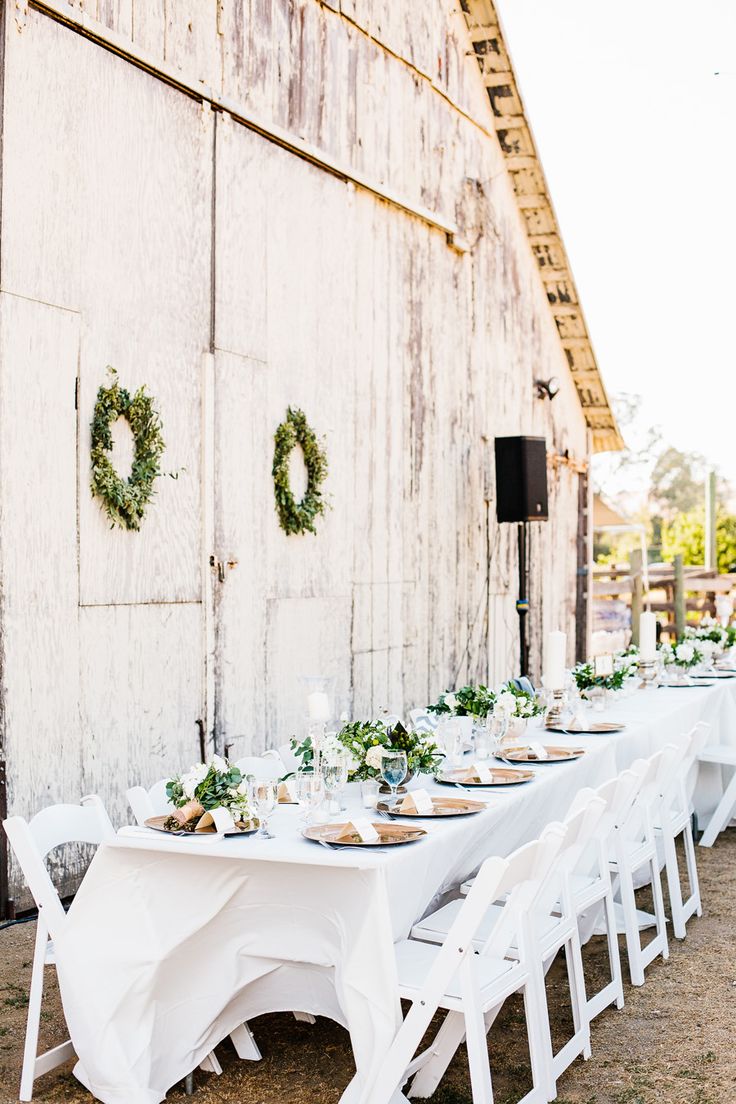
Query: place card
point(218, 818)
point(362, 827)
point(418, 801)
point(603, 666)
point(482, 773)
point(539, 750)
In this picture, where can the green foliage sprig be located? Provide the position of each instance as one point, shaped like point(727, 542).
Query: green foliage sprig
point(298, 517)
point(586, 679)
point(468, 701)
point(125, 500)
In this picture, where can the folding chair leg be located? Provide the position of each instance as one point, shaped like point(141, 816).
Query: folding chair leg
point(633, 939)
point(578, 997)
point(35, 996)
point(447, 1040)
point(659, 912)
point(475, 1037)
point(692, 871)
point(722, 815)
point(245, 1044)
point(673, 884)
point(614, 957)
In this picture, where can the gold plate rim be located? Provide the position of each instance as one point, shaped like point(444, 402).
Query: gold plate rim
point(505, 771)
point(385, 833)
point(462, 808)
point(158, 827)
point(569, 754)
point(596, 728)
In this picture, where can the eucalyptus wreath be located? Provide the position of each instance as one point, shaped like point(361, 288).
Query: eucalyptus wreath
point(298, 517)
point(125, 500)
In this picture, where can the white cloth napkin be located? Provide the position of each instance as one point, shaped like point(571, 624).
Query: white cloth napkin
point(539, 750)
point(419, 801)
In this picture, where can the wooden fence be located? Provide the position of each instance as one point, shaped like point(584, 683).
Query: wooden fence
point(679, 595)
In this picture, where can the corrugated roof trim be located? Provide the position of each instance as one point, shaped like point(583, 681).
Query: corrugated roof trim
point(522, 161)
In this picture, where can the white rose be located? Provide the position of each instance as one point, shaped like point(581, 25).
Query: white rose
point(684, 653)
point(373, 757)
point(221, 765)
point(506, 701)
point(450, 701)
point(243, 788)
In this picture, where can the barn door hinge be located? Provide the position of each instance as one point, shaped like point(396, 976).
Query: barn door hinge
point(219, 566)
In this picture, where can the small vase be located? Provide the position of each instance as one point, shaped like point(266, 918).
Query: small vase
point(516, 732)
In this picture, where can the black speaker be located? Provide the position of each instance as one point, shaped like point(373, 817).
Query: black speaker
point(521, 479)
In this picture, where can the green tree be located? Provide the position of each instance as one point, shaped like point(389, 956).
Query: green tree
point(676, 484)
point(685, 534)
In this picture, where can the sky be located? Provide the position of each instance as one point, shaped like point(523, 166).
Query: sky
point(637, 137)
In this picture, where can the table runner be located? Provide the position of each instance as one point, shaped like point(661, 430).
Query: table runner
point(170, 943)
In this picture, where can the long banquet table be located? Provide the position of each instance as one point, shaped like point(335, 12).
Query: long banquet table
point(171, 943)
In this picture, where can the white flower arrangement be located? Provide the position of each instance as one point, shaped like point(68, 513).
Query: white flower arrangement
point(683, 654)
point(516, 703)
point(207, 786)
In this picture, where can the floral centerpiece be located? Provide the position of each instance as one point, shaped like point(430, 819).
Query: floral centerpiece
point(710, 639)
point(627, 661)
point(468, 701)
point(517, 703)
point(207, 786)
point(586, 679)
point(365, 742)
point(683, 655)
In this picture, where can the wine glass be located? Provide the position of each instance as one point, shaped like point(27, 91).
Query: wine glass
point(498, 726)
point(310, 793)
point(394, 767)
point(263, 796)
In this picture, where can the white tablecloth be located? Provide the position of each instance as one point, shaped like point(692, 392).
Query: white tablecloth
point(170, 943)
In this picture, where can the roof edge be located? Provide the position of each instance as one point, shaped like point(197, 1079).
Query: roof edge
point(535, 204)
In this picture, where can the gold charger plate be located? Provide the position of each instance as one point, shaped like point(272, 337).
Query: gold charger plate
point(554, 754)
point(594, 728)
point(157, 823)
point(502, 776)
point(686, 685)
point(718, 673)
point(441, 807)
point(388, 834)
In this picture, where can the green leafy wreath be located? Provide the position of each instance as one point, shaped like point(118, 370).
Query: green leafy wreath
point(125, 500)
point(298, 517)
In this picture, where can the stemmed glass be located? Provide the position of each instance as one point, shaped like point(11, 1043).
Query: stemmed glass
point(310, 793)
point(498, 726)
point(394, 767)
point(484, 738)
point(263, 796)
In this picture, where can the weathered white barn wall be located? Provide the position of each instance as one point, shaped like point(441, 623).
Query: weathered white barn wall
point(233, 279)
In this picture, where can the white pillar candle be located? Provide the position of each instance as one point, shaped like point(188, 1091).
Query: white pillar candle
point(648, 637)
point(554, 661)
point(318, 705)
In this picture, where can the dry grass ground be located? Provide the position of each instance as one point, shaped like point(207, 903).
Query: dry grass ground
point(672, 1044)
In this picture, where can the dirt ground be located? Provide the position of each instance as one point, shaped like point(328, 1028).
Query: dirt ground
point(673, 1043)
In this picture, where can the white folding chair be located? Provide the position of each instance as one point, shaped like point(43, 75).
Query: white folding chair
point(261, 767)
point(554, 924)
point(148, 803)
point(422, 720)
point(471, 987)
point(633, 847)
point(32, 841)
point(674, 818)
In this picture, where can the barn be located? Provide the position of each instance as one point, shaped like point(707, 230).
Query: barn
point(247, 206)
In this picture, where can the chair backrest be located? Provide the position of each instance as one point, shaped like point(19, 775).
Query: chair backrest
point(261, 768)
point(422, 720)
point(699, 736)
point(527, 886)
point(148, 803)
point(32, 841)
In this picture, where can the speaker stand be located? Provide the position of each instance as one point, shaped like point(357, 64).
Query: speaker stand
point(522, 605)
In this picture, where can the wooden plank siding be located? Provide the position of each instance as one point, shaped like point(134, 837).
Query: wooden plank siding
point(143, 230)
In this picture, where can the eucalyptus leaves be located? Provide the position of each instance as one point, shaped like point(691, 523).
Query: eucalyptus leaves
point(125, 500)
point(298, 517)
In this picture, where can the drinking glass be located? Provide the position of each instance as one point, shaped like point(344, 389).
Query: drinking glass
point(263, 796)
point(310, 793)
point(498, 726)
point(449, 739)
point(484, 740)
point(394, 768)
point(334, 775)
